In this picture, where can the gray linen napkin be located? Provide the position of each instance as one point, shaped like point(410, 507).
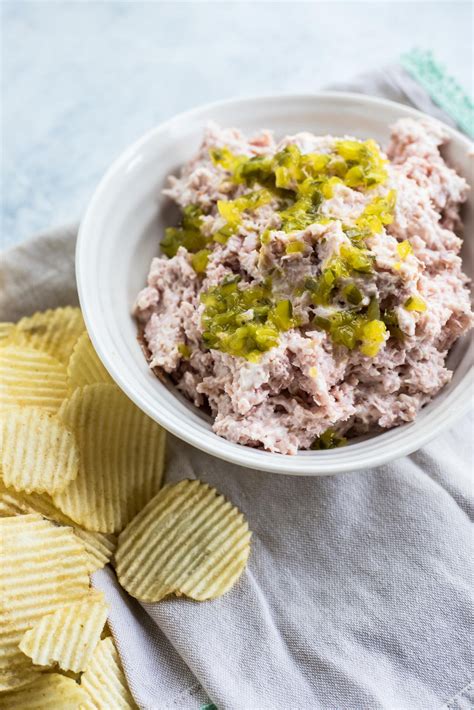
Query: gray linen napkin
point(357, 593)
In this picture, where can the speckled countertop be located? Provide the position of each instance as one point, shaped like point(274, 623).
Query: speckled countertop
point(82, 80)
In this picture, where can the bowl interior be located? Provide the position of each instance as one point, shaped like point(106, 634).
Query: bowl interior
point(121, 231)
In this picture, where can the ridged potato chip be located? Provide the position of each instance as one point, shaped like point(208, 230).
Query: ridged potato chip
point(84, 367)
point(31, 378)
point(104, 679)
point(51, 691)
point(99, 546)
point(43, 566)
point(37, 452)
point(121, 458)
point(69, 635)
point(5, 331)
point(16, 669)
point(187, 540)
point(54, 332)
point(7, 509)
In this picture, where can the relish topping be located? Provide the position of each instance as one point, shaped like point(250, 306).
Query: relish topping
point(247, 320)
point(328, 440)
point(244, 321)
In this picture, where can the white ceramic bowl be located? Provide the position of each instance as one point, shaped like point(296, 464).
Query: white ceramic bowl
point(120, 234)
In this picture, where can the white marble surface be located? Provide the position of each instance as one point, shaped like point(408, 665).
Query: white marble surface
point(82, 80)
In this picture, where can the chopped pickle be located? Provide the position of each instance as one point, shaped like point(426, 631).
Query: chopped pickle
point(352, 294)
point(366, 167)
point(231, 211)
point(226, 159)
point(223, 234)
point(337, 167)
point(357, 163)
point(304, 211)
point(328, 440)
point(404, 249)
point(350, 150)
point(372, 336)
point(328, 186)
point(295, 247)
point(356, 259)
point(378, 213)
point(189, 235)
point(314, 164)
point(282, 315)
point(354, 329)
point(248, 320)
point(415, 303)
point(287, 167)
point(302, 181)
point(244, 321)
point(390, 319)
point(199, 260)
point(322, 287)
point(373, 311)
point(350, 259)
point(265, 237)
point(258, 169)
point(184, 350)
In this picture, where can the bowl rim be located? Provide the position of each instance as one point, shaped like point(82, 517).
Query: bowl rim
point(306, 463)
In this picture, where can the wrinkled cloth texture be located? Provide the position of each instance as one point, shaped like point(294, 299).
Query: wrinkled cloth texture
point(357, 595)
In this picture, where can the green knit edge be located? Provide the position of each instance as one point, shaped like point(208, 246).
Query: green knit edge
point(443, 89)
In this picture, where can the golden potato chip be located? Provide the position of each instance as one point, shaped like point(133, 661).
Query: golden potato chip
point(31, 378)
point(84, 367)
point(16, 669)
point(106, 632)
point(5, 331)
point(187, 540)
point(37, 452)
point(69, 635)
point(43, 567)
point(104, 679)
point(54, 332)
point(99, 546)
point(71, 674)
point(121, 458)
point(51, 691)
point(7, 509)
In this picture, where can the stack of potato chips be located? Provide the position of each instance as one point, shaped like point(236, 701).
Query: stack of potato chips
point(81, 470)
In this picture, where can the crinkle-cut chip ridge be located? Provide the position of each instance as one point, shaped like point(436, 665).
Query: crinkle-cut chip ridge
point(104, 679)
point(121, 458)
point(7, 509)
point(188, 540)
point(31, 378)
point(99, 546)
point(43, 567)
point(51, 691)
point(55, 331)
point(69, 635)
point(85, 367)
point(37, 452)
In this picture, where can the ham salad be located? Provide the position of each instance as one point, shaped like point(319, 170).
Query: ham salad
point(313, 287)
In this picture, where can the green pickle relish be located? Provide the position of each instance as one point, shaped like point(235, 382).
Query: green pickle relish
point(328, 440)
point(353, 329)
point(247, 320)
point(188, 235)
point(244, 321)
